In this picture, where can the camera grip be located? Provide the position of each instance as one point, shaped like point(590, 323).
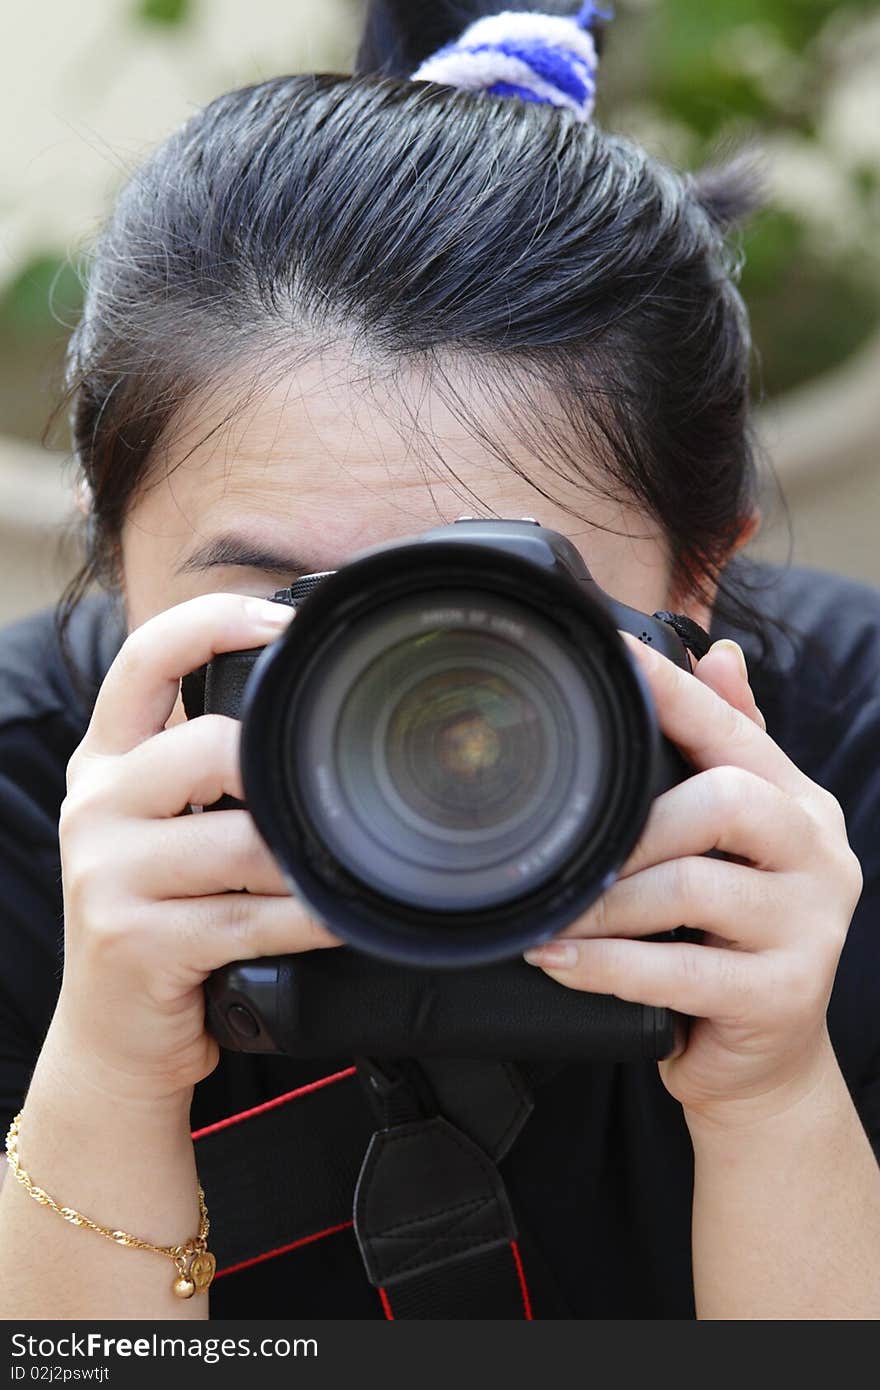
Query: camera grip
point(341, 1002)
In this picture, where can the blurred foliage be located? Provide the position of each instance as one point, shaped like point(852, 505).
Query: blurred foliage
point(46, 286)
point(808, 314)
point(163, 11)
point(38, 308)
point(705, 79)
point(697, 77)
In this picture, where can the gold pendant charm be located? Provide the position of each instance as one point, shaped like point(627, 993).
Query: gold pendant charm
point(183, 1287)
point(201, 1271)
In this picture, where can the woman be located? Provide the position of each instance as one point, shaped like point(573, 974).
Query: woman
point(333, 312)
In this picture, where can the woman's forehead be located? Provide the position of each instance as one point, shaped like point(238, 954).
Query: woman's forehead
point(326, 422)
point(325, 461)
point(330, 426)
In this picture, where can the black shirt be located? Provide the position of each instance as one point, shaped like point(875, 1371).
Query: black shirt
point(601, 1176)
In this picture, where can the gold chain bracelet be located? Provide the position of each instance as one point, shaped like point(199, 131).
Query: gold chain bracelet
point(194, 1262)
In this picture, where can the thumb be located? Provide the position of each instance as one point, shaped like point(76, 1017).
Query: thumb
point(724, 670)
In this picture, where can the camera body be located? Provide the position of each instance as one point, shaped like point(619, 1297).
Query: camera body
point(450, 753)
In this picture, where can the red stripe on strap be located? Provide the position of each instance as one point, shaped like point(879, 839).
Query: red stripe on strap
point(277, 1100)
point(520, 1274)
point(283, 1249)
point(524, 1288)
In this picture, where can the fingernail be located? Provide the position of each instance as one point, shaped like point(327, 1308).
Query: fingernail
point(558, 955)
point(726, 645)
point(762, 720)
point(269, 614)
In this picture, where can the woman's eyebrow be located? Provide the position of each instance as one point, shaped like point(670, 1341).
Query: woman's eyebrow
point(237, 550)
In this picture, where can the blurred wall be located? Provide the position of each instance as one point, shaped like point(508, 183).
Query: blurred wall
point(88, 89)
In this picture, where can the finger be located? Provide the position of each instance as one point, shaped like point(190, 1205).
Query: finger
point(140, 689)
point(706, 729)
point(736, 903)
point(203, 934)
point(203, 855)
point(730, 810)
point(724, 670)
point(703, 981)
point(191, 764)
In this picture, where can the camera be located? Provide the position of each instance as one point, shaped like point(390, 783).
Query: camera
point(450, 753)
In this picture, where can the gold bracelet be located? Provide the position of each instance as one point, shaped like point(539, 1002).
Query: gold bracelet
point(194, 1262)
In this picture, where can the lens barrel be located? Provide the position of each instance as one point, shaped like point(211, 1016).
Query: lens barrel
point(449, 752)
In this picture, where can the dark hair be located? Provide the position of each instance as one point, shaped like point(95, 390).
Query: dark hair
point(425, 222)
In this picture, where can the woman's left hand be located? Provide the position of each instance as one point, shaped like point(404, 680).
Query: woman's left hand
point(774, 919)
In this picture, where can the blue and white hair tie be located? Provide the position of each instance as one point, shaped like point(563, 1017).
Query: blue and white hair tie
point(535, 57)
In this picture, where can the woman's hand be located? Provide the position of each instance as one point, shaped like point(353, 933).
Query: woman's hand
point(152, 896)
point(774, 916)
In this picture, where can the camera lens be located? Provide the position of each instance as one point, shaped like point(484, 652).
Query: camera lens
point(450, 752)
point(464, 746)
point(449, 755)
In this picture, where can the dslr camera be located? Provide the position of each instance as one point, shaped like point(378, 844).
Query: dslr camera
point(450, 753)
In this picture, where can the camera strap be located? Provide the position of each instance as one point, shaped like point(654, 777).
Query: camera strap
point(435, 1227)
point(407, 1161)
point(694, 637)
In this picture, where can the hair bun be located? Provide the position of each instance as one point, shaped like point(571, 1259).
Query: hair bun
point(534, 56)
point(400, 36)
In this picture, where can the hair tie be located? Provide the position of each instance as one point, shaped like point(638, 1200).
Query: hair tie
point(536, 57)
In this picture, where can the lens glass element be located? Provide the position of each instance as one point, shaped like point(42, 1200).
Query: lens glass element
point(451, 756)
point(464, 746)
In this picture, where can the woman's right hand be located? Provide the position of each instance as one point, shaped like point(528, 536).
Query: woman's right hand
point(152, 896)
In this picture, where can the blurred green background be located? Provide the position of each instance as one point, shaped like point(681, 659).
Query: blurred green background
point(90, 88)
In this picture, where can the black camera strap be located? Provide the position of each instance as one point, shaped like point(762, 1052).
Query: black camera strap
point(432, 1217)
point(695, 638)
point(282, 1174)
point(408, 1159)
